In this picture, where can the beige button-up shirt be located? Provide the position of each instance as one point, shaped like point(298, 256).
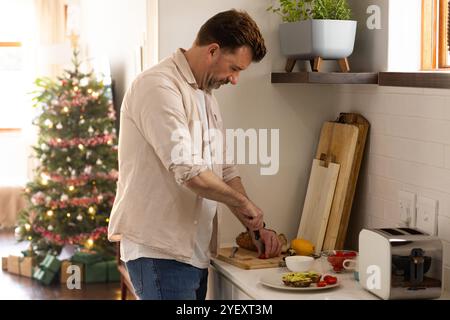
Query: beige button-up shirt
point(152, 206)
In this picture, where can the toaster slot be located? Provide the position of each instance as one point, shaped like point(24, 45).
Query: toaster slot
point(392, 232)
point(412, 231)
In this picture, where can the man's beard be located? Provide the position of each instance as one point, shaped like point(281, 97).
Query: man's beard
point(213, 83)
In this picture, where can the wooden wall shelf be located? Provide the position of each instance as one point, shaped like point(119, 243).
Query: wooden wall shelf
point(325, 78)
point(432, 79)
point(439, 80)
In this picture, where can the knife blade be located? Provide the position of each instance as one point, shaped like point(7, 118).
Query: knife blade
point(256, 238)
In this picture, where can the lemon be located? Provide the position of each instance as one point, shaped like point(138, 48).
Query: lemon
point(302, 247)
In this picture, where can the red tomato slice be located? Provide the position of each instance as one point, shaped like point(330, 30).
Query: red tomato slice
point(322, 284)
point(331, 280)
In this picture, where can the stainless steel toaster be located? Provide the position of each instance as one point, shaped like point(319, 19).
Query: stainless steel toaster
point(400, 263)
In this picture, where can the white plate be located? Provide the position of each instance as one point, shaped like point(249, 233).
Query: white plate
point(274, 281)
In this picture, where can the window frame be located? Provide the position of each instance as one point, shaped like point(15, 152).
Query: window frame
point(435, 36)
point(444, 38)
point(11, 44)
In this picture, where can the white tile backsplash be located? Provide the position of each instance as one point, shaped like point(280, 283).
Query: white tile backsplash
point(420, 129)
point(444, 228)
point(408, 149)
point(447, 157)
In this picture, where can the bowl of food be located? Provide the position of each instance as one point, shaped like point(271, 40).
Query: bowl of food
point(334, 259)
point(299, 263)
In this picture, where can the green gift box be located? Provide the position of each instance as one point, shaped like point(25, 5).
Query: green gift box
point(113, 272)
point(44, 276)
point(51, 263)
point(86, 257)
point(97, 272)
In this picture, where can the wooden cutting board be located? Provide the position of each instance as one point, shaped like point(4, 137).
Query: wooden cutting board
point(318, 201)
point(344, 141)
point(246, 259)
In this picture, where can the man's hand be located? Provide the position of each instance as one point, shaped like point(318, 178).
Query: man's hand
point(250, 215)
point(272, 244)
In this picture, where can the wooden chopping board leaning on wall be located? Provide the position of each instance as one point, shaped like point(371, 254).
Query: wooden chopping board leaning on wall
point(343, 141)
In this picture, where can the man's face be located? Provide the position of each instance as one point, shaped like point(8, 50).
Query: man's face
point(225, 67)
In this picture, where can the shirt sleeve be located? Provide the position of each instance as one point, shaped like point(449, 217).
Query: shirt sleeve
point(229, 168)
point(161, 118)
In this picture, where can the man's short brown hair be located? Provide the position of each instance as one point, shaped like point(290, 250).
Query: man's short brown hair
point(231, 30)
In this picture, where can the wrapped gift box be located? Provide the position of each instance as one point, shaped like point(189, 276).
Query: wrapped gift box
point(51, 263)
point(97, 272)
point(4, 263)
point(22, 266)
point(64, 266)
point(44, 276)
point(113, 271)
point(87, 257)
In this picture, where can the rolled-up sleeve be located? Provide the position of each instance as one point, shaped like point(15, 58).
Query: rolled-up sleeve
point(160, 116)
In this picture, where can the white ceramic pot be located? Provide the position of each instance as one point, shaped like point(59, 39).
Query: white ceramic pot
point(328, 39)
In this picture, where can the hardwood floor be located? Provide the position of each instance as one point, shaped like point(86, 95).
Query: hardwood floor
point(13, 287)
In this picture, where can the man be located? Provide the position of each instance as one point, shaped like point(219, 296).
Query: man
point(165, 208)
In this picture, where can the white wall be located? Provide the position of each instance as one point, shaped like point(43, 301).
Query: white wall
point(298, 111)
point(395, 46)
point(115, 29)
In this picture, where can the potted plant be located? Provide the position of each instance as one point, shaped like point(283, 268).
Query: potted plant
point(316, 30)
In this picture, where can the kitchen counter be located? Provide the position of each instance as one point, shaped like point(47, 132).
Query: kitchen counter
point(245, 284)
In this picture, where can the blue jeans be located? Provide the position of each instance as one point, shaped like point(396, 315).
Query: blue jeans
point(160, 279)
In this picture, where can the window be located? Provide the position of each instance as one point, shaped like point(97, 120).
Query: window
point(11, 78)
point(435, 35)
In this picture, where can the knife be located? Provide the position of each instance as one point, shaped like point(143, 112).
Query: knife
point(256, 237)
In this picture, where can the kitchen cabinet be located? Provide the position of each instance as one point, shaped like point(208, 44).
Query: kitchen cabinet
point(222, 288)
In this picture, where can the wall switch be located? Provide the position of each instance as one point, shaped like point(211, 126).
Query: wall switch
point(427, 215)
point(407, 205)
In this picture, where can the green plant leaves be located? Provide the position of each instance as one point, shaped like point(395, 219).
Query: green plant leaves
point(298, 10)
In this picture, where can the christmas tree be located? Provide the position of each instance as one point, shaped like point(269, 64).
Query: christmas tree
point(71, 195)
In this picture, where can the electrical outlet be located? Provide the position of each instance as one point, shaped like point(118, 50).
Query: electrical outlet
point(427, 215)
point(407, 205)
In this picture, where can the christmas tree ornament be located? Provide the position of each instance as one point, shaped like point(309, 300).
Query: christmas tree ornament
point(59, 126)
point(71, 188)
point(65, 110)
point(84, 82)
point(27, 226)
point(68, 159)
point(64, 197)
point(91, 130)
point(81, 147)
point(48, 123)
point(99, 162)
point(82, 121)
point(91, 210)
point(79, 217)
point(44, 147)
point(18, 233)
point(50, 228)
point(88, 170)
point(50, 213)
point(68, 214)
